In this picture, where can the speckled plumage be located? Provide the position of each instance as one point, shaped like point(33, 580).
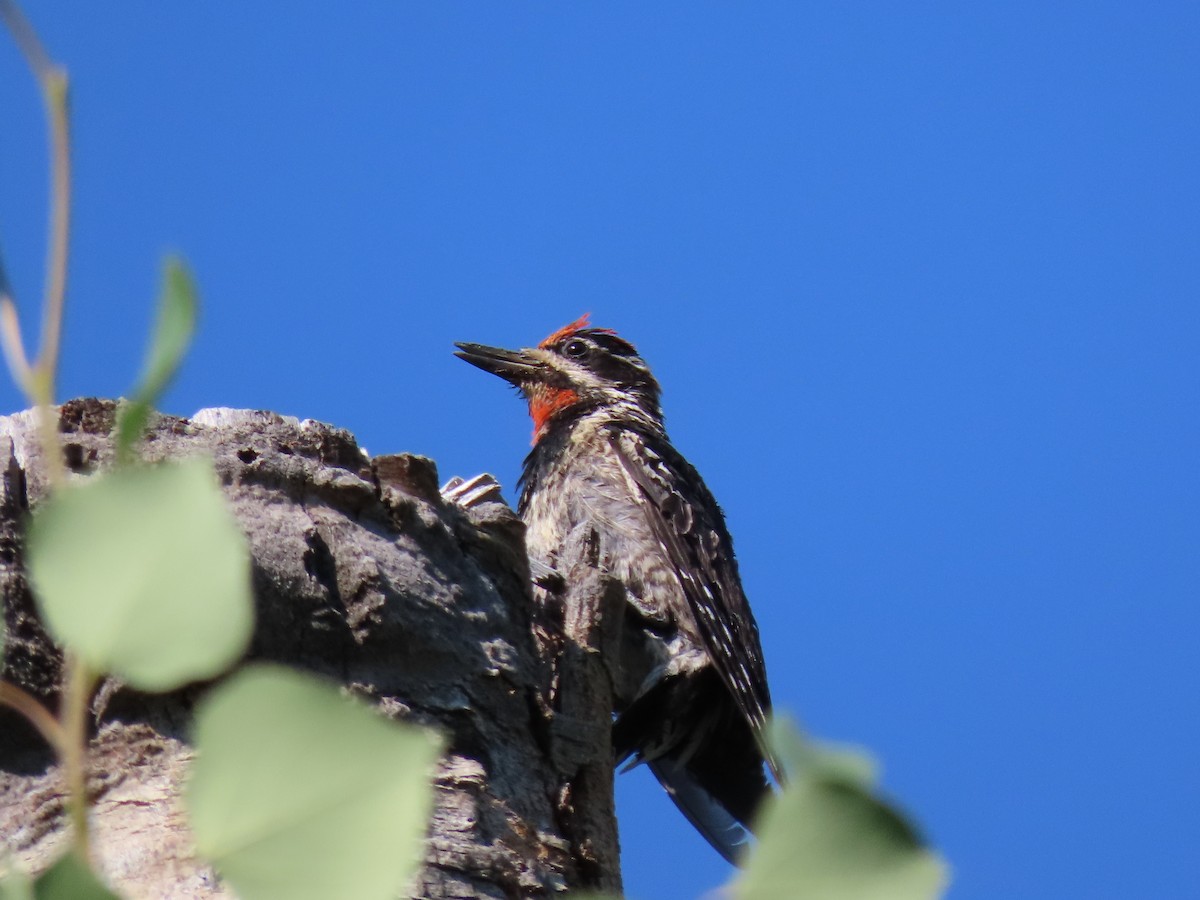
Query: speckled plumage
point(692, 692)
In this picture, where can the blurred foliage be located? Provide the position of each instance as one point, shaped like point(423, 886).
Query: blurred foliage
point(16, 884)
point(827, 836)
point(299, 794)
point(178, 310)
point(70, 879)
point(144, 572)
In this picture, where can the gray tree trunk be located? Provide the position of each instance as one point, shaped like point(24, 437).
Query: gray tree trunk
point(365, 574)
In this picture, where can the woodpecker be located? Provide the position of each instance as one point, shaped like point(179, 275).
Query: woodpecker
point(692, 697)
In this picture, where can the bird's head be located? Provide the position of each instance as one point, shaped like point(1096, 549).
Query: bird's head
point(575, 370)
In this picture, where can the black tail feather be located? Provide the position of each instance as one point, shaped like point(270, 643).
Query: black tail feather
point(727, 835)
point(710, 763)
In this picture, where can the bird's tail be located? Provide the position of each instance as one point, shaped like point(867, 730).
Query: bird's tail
point(709, 762)
point(708, 815)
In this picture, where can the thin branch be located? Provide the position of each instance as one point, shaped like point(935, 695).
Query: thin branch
point(37, 715)
point(27, 40)
point(10, 341)
point(75, 742)
point(48, 419)
point(52, 79)
point(57, 111)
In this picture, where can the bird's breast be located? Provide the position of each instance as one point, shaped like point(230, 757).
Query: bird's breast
point(581, 488)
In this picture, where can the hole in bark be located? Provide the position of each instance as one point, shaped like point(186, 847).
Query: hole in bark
point(75, 457)
point(319, 563)
point(247, 455)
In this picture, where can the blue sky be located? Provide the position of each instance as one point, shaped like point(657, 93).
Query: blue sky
point(921, 282)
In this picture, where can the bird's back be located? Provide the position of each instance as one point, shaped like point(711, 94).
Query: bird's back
point(676, 711)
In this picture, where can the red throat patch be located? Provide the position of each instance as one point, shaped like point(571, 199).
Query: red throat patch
point(544, 402)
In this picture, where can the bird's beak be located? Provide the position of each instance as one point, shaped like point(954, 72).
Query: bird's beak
point(517, 367)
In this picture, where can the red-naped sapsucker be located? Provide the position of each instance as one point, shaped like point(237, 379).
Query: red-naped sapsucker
point(692, 697)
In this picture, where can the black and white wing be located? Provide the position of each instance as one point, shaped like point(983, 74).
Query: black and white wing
point(689, 526)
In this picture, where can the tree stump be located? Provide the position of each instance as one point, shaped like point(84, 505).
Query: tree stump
point(364, 573)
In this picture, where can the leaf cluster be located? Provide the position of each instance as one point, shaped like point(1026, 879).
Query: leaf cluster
point(144, 573)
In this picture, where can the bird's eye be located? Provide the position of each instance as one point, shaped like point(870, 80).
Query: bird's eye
point(575, 349)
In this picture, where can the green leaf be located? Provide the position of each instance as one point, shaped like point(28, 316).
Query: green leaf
point(70, 879)
point(827, 837)
point(176, 323)
point(299, 793)
point(132, 418)
point(16, 886)
point(144, 572)
point(801, 756)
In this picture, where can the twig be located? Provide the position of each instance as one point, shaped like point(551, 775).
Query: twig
point(75, 741)
point(38, 716)
point(10, 341)
point(26, 39)
point(54, 89)
point(39, 379)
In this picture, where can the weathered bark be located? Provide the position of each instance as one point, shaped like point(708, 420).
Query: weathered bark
point(365, 574)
